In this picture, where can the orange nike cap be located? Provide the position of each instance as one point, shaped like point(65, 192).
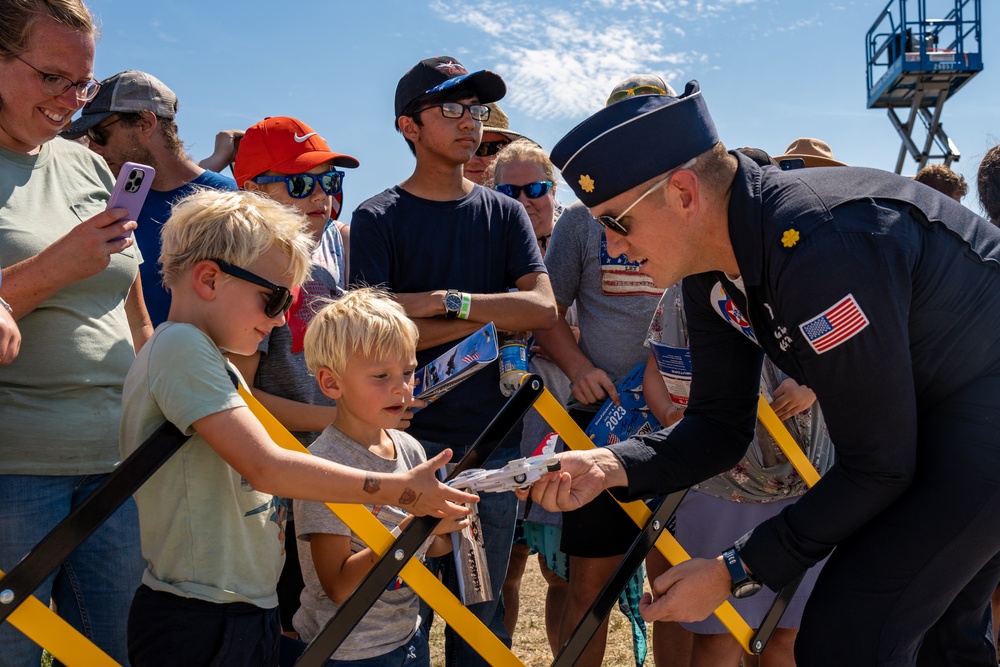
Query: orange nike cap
point(285, 145)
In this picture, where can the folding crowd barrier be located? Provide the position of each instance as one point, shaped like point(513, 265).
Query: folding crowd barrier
point(42, 625)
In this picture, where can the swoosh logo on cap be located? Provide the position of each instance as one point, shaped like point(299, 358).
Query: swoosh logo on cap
point(299, 139)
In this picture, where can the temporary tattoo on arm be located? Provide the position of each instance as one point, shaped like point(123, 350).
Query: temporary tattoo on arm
point(409, 497)
point(372, 485)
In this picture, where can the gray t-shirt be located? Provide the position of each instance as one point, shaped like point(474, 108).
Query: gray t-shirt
point(206, 533)
point(394, 617)
point(615, 302)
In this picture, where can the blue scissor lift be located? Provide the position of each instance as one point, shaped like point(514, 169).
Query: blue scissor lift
point(917, 60)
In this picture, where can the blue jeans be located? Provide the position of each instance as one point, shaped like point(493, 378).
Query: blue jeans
point(413, 653)
point(497, 512)
point(93, 588)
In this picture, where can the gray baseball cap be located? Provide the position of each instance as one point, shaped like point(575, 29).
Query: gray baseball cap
point(128, 91)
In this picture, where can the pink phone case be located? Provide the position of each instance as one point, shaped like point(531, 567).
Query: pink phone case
point(134, 181)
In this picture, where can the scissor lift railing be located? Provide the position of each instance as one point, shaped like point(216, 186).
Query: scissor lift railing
point(43, 626)
point(919, 53)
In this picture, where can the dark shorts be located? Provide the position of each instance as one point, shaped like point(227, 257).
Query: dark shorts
point(290, 583)
point(601, 528)
point(168, 630)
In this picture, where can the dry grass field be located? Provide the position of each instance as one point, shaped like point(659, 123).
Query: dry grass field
point(530, 644)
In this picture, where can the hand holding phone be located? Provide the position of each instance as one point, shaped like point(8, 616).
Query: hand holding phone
point(131, 188)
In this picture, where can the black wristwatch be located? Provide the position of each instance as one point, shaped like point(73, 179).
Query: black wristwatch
point(452, 304)
point(744, 583)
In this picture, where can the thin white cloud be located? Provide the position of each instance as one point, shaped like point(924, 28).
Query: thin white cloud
point(798, 24)
point(561, 64)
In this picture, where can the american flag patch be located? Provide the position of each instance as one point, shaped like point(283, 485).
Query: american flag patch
point(835, 325)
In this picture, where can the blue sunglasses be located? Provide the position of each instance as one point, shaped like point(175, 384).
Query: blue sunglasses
point(301, 186)
point(531, 190)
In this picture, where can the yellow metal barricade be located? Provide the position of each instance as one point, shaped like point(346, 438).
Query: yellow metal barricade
point(44, 627)
point(63, 641)
point(414, 573)
point(574, 437)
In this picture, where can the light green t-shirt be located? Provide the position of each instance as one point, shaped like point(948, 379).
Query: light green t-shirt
point(60, 401)
point(206, 533)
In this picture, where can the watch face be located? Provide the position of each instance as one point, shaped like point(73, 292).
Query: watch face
point(453, 302)
point(746, 589)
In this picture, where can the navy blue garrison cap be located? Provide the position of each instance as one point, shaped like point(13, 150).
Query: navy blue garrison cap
point(632, 141)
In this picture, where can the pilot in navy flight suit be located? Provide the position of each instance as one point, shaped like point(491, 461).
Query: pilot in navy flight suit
point(881, 295)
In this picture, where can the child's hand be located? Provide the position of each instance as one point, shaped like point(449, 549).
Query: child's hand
point(412, 406)
point(423, 494)
point(451, 524)
point(791, 398)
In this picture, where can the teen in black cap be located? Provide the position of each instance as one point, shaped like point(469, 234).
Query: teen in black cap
point(450, 250)
point(882, 296)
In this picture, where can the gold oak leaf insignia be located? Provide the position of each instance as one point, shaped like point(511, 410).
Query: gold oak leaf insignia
point(790, 238)
point(586, 183)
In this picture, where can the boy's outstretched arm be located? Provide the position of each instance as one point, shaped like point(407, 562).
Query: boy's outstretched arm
point(339, 571)
point(242, 441)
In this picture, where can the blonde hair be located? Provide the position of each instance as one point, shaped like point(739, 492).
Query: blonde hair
point(18, 17)
point(521, 150)
point(236, 227)
point(364, 321)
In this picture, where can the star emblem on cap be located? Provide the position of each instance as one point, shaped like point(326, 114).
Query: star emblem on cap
point(790, 238)
point(586, 183)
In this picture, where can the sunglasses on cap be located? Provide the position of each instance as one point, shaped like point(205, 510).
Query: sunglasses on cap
point(301, 186)
point(615, 225)
point(632, 92)
point(488, 148)
point(531, 190)
point(479, 112)
point(281, 297)
point(96, 134)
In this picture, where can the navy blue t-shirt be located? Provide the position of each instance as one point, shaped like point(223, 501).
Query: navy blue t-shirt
point(155, 212)
point(480, 244)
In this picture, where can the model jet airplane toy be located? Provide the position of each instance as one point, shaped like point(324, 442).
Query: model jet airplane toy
point(518, 474)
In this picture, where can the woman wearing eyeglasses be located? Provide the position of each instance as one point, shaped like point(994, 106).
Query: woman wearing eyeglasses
point(70, 276)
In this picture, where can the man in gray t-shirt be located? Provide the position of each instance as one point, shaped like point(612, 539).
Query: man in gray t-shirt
point(615, 303)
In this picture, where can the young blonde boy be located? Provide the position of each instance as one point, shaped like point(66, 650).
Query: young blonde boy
point(362, 349)
point(210, 525)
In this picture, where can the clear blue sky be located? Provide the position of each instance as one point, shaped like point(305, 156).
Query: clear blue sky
point(770, 70)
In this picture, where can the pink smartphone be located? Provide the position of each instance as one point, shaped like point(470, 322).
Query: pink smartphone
point(131, 188)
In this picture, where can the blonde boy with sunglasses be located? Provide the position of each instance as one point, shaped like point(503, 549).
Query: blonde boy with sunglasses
point(210, 522)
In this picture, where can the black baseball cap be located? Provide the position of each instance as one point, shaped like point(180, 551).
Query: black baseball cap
point(434, 75)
